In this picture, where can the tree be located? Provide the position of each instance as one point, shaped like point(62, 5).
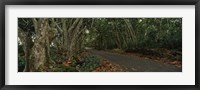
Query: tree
point(70, 36)
point(40, 49)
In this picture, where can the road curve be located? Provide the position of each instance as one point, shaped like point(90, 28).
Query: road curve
point(136, 64)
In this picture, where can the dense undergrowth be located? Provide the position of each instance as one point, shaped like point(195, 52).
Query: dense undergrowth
point(86, 64)
point(83, 62)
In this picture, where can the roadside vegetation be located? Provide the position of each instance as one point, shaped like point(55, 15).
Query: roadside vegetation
point(65, 44)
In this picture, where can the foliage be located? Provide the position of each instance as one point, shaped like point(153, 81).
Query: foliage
point(54, 55)
point(157, 54)
point(64, 69)
point(21, 63)
point(21, 60)
point(66, 38)
point(130, 33)
point(90, 64)
point(87, 64)
point(20, 50)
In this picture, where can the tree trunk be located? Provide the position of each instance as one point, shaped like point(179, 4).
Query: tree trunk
point(39, 51)
point(27, 52)
point(27, 44)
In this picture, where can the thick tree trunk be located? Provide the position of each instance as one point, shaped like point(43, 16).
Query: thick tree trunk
point(39, 50)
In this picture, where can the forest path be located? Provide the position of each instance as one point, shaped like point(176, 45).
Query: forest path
point(136, 64)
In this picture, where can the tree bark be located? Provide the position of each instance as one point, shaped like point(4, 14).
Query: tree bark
point(27, 43)
point(39, 51)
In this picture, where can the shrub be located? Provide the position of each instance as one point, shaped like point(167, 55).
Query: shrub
point(21, 63)
point(64, 69)
point(56, 56)
point(86, 64)
point(90, 64)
